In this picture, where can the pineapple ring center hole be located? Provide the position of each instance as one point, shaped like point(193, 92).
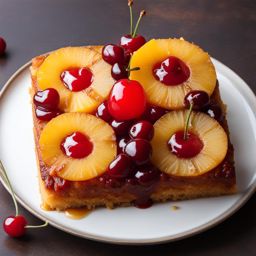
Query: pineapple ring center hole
point(76, 145)
point(185, 148)
point(77, 79)
point(171, 71)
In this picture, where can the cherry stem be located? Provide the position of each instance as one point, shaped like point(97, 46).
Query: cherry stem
point(142, 13)
point(187, 121)
point(3, 171)
point(132, 69)
point(38, 226)
point(130, 3)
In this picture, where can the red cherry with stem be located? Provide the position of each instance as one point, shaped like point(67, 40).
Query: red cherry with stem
point(45, 114)
point(118, 71)
point(77, 79)
point(113, 54)
point(185, 148)
point(132, 42)
point(198, 98)
point(185, 144)
point(139, 150)
point(102, 112)
point(127, 100)
point(171, 71)
point(2, 46)
point(14, 226)
point(142, 130)
point(48, 98)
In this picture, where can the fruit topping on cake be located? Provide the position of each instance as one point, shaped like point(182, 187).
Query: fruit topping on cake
point(146, 123)
point(127, 100)
point(77, 146)
point(170, 68)
point(80, 75)
point(46, 103)
point(132, 42)
point(204, 147)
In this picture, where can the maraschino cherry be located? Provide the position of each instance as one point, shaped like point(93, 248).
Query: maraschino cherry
point(76, 145)
point(119, 71)
point(2, 46)
point(15, 226)
point(199, 99)
point(142, 130)
point(132, 42)
point(127, 100)
point(186, 144)
point(171, 71)
point(77, 79)
point(49, 98)
point(46, 104)
point(113, 54)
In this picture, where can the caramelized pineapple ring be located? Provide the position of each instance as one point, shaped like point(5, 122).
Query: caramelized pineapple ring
point(202, 75)
point(210, 132)
point(87, 100)
point(100, 134)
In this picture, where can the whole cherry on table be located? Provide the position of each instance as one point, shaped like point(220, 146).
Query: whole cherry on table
point(15, 225)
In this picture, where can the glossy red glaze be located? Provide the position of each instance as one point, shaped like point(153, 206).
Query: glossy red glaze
point(48, 98)
point(76, 145)
point(132, 44)
point(14, 226)
point(171, 71)
point(127, 100)
point(182, 148)
point(77, 79)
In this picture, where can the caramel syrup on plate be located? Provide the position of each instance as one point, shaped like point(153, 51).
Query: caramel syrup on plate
point(72, 213)
point(77, 213)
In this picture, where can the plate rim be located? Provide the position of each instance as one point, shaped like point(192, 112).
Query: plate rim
point(160, 240)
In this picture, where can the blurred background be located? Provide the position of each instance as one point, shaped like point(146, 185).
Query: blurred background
point(226, 29)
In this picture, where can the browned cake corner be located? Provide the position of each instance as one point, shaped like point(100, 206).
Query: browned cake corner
point(59, 194)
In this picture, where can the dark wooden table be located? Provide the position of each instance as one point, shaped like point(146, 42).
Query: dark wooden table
point(226, 29)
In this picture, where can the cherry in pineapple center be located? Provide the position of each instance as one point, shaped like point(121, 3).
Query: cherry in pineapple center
point(76, 145)
point(185, 147)
point(77, 79)
point(171, 71)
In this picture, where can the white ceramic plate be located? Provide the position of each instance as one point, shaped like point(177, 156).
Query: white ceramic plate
point(130, 225)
